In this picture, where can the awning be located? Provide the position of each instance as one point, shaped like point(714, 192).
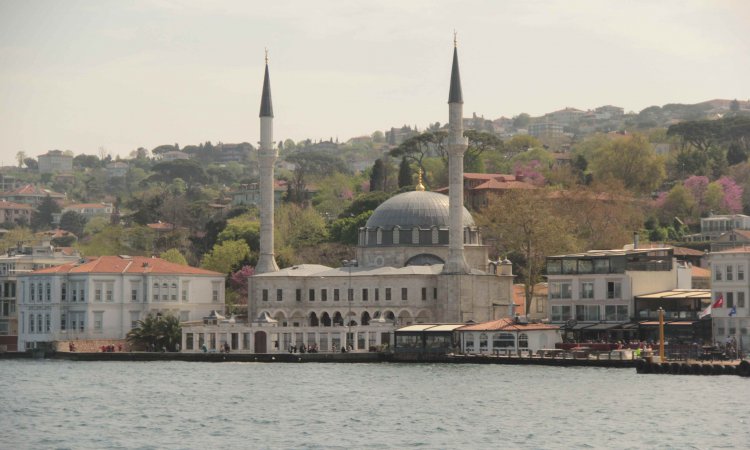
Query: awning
point(604, 326)
point(650, 324)
point(578, 326)
point(681, 324)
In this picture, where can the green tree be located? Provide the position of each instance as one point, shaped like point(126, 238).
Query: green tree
point(31, 163)
point(156, 332)
point(377, 176)
point(404, 174)
point(174, 255)
point(225, 256)
point(243, 228)
point(42, 217)
point(191, 172)
point(418, 147)
point(73, 222)
point(20, 157)
point(632, 161)
point(480, 142)
point(522, 120)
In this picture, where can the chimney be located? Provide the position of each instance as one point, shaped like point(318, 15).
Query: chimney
point(635, 240)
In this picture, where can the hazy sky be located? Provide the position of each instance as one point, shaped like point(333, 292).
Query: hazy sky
point(81, 75)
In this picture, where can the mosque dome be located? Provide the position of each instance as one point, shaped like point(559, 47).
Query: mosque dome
point(420, 209)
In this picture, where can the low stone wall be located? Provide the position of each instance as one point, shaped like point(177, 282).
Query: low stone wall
point(91, 346)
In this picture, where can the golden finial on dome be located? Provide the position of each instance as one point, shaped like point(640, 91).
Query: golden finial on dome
point(420, 186)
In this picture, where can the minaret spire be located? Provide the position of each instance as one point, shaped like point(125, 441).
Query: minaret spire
point(457, 145)
point(267, 155)
point(266, 106)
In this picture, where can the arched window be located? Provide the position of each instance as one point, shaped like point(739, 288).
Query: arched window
point(314, 320)
point(337, 319)
point(415, 235)
point(483, 342)
point(469, 344)
point(379, 239)
point(325, 319)
point(365, 320)
point(523, 340)
point(503, 340)
point(435, 235)
point(396, 237)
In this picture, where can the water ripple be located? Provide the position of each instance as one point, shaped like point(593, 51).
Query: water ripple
point(179, 405)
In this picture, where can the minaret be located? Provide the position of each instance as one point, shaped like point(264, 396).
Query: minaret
point(457, 145)
point(267, 155)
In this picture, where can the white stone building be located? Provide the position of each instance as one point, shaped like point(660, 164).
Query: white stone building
point(508, 336)
point(731, 283)
point(103, 298)
point(420, 259)
point(16, 262)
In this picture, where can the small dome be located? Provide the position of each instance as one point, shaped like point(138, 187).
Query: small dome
point(415, 209)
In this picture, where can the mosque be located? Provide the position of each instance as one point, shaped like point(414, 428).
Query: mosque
point(420, 259)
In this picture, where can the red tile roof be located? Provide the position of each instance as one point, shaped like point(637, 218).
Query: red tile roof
point(165, 226)
point(4, 204)
point(700, 272)
point(507, 324)
point(495, 184)
point(743, 249)
point(127, 264)
point(31, 189)
point(88, 206)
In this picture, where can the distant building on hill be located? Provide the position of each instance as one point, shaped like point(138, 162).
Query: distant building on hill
point(546, 130)
point(31, 195)
point(479, 187)
point(174, 155)
point(55, 161)
point(249, 194)
point(17, 213)
point(714, 226)
point(117, 169)
point(90, 210)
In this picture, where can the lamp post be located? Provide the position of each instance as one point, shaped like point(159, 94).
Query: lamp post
point(349, 263)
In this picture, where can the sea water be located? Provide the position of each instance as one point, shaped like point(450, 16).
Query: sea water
point(181, 405)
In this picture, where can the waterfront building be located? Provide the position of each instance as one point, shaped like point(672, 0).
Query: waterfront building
point(97, 300)
point(510, 336)
point(730, 287)
point(15, 262)
point(591, 293)
point(420, 259)
point(506, 336)
point(683, 318)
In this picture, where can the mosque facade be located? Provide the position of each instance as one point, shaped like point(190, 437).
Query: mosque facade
point(419, 259)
